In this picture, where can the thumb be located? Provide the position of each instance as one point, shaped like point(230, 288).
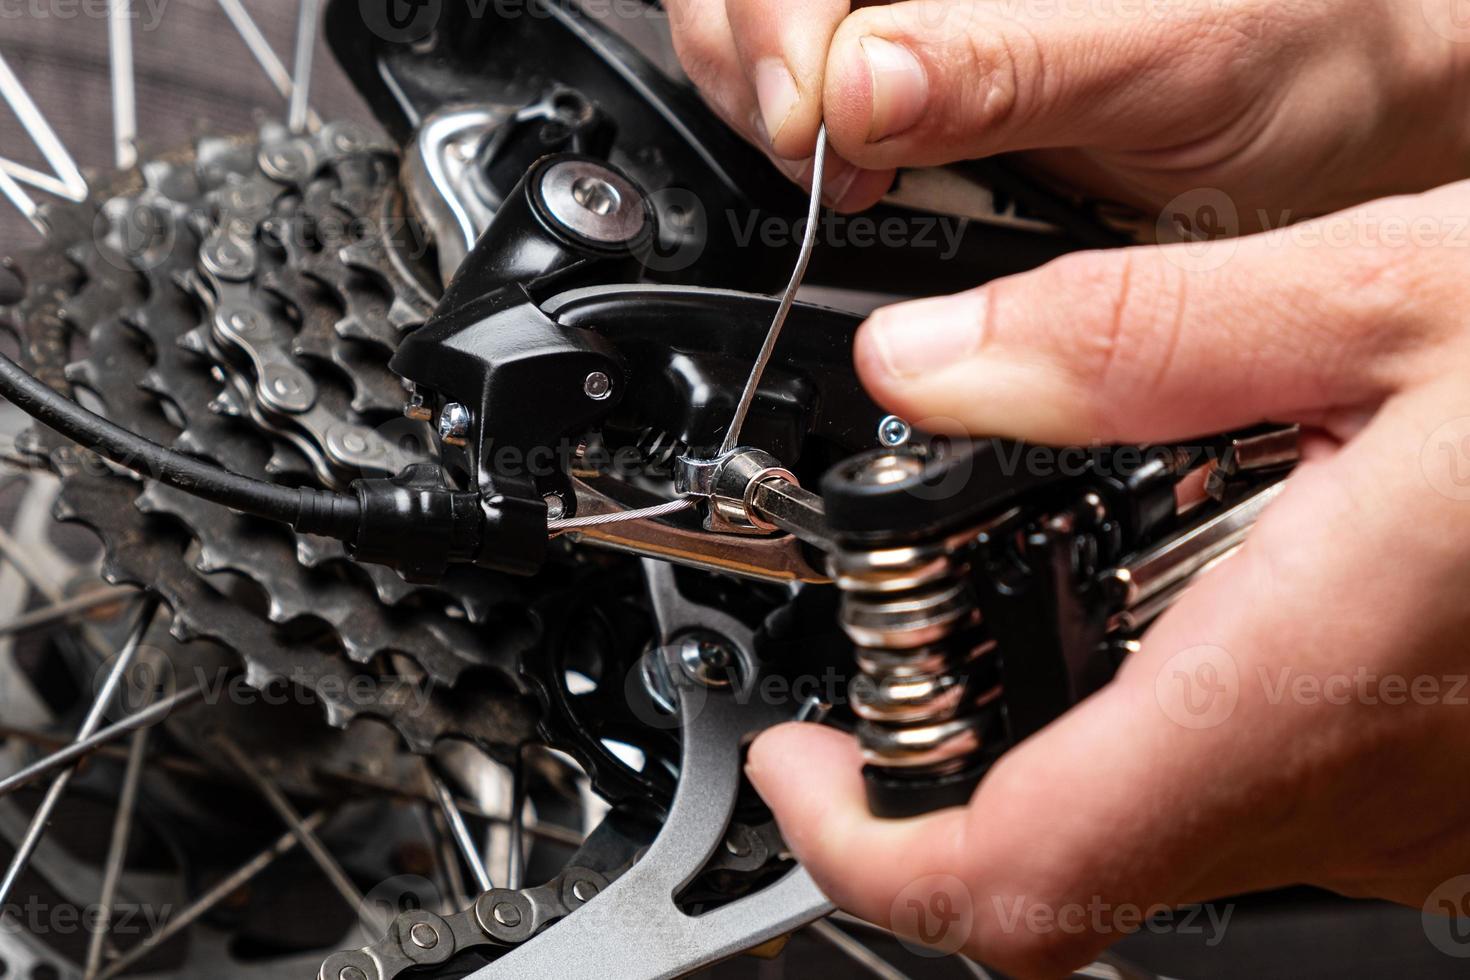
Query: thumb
point(1158, 342)
point(926, 82)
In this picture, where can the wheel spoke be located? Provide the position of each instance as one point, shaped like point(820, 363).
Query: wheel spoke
point(306, 28)
point(150, 715)
point(31, 177)
point(93, 721)
point(308, 838)
point(515, 859)
point(65, 609)
point(117, 852)
point(227, 886)
point(15, 553)
point(124, 99)
point(856, 951)
point(24, 203)
point(461, 833)
point(41, 132)
point(260, 49)
point(972, 968)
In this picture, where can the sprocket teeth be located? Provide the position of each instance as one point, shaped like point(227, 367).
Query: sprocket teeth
point(257, 676)
point(149, 539)
point(153, 383)
point(196, 341)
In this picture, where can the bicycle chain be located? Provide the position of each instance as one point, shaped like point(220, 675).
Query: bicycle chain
point(499, 917)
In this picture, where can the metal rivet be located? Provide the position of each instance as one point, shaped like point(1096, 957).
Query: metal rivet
point(351, 973)
point(556, 508)
point(597, 386)
point(894, 431)
point(507, 915)
point(424, 936)
point(584, 890)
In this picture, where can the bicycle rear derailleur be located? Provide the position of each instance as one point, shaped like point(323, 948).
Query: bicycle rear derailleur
point(985, 586)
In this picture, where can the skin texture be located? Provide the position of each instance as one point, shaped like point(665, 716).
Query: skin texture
point(1301, 715)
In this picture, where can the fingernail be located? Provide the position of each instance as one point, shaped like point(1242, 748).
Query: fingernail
point(921, 337)
point(776, 92)
point(900, 87)
point(837, 182)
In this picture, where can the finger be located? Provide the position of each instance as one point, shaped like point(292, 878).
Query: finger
point(705, 43)
point(705, 46)
point(1142, 797)
point(927, 82)
point(1166, 342)
point(783, 52)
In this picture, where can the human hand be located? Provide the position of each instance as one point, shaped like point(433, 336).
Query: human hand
point(1316, 105)
point(1302, 713)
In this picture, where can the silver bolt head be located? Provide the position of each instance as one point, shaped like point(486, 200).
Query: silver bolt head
point(597, 386)
point(556, 508)
point(507, 915)
point(894, 432)
point(707, 662)
point(424, 936)
point(454, 421)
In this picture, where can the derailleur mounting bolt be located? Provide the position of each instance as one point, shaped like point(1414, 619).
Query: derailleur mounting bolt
point(894, 432)
point(597, 386)
point(708, 662)
point(454, 424)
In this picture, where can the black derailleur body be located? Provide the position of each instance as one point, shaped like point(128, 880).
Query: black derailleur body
point(546, 357)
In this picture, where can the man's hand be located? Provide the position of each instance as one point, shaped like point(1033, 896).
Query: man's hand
point(1302, 714)
point(1313, 105)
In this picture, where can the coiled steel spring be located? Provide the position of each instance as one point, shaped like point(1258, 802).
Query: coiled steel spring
point(922, 653)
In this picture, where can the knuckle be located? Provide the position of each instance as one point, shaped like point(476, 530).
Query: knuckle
point(1138, 316)
point(702, 55)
